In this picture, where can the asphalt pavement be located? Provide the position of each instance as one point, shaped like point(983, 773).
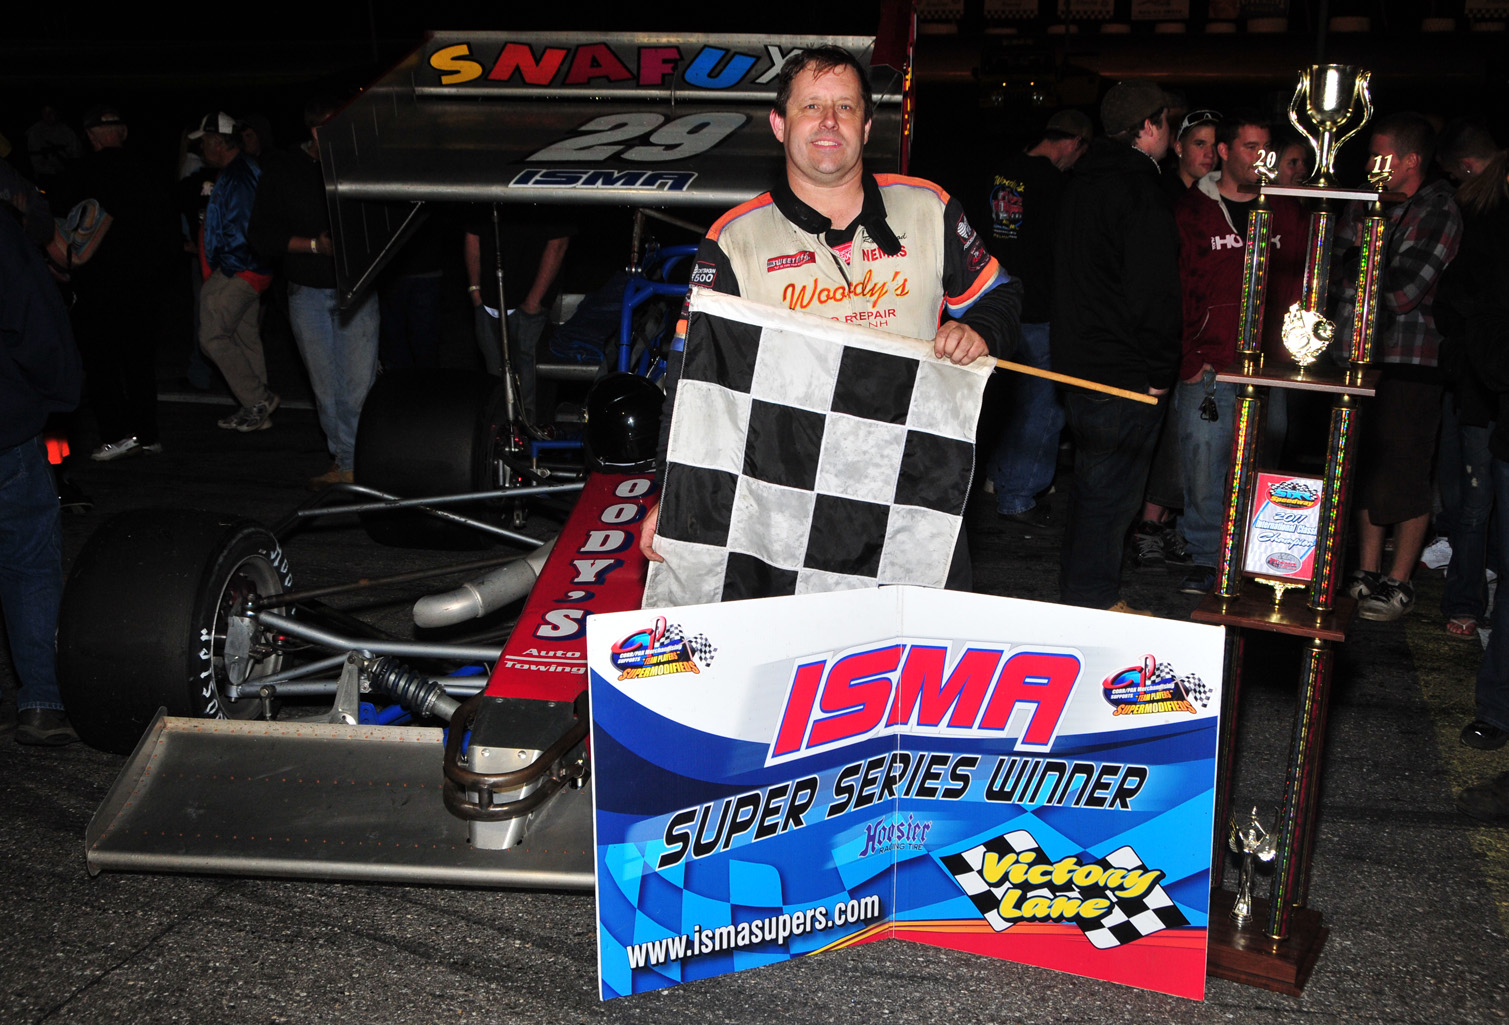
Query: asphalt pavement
point(1416, 896)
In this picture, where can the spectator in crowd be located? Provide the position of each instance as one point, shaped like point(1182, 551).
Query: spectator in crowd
point(1024, 197)
point(256, 137)
point(52, 146)
point(1116, 321)
point(291, 223)
point(1294, 160)
point(1394, 487)
point(39, 374)
point(1480, 297)
point(1156, 542)
point(234, 276)
point(1194, 147)
point(1469, 154)
point(534, 250)
point(116, 293)
point(1213, 238)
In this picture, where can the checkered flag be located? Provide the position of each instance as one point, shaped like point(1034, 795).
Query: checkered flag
point(701, 648)
point(807, 455)
point(967, 870)
point(1196, 688)
point(1190, 684)
point(1130, 918)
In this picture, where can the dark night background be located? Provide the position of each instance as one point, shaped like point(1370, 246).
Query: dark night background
point(975, 84)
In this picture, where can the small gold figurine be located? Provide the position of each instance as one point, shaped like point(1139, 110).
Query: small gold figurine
point(1266, 167)
point(1254, 843)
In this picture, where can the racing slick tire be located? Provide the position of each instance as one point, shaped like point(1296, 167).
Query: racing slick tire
point(429, 432)
point(144, 621)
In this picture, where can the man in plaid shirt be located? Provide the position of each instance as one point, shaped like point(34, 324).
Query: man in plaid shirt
point(1399, 430)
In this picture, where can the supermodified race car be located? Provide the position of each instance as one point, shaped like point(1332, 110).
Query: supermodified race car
point(182, 639)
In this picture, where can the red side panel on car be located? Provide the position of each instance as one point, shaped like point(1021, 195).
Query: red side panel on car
point(595, 567)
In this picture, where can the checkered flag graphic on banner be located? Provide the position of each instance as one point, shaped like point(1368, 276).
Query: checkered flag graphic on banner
point(1129, 918)
point(967, 870)
point(1190, 683)
point(807, 455)
point(701, 648)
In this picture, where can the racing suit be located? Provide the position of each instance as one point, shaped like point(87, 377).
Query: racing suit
point(910, 254)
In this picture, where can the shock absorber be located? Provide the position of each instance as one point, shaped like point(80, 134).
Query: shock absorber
point(421, 695)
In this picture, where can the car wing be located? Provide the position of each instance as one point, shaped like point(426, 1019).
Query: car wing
point(640, 119)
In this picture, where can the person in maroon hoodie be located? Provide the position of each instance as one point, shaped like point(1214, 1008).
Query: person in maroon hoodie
point(1212, 222)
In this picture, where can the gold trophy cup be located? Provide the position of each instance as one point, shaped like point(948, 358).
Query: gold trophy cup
point(1328, 93)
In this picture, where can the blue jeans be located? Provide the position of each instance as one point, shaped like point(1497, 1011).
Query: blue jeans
point(524, 333)
point(31, 570)
point(1024, 459)
point(1465, 473)
point(1113, 448)
point(1493, 674)
point(1205, 449)
point(340, 353)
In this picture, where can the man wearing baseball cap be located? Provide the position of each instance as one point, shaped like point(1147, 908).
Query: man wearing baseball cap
point(1025, 193)
point(1116, 316)
point(234, 276)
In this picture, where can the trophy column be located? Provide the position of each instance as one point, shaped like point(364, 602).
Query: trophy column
point(1279, 939)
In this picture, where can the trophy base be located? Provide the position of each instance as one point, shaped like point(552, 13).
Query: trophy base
point(1247, 956)
point(1256, 611)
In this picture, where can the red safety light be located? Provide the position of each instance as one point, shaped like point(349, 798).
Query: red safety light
point(57, 450)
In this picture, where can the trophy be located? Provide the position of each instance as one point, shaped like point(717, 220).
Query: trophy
point(1254, 843)
point(1328, 93)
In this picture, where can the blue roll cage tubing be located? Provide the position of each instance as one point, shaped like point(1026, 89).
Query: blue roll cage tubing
point(637, 292)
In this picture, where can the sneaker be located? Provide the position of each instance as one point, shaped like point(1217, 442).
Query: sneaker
point(1199, 580)
point(1362, 583)
point(44, 727)
point(1437, 554)
point(1148, 547)
point(1390, 600)
point(1483, 735)
point(116, 450)
point(258, 417)
point(1174, 551)
point(232, 422)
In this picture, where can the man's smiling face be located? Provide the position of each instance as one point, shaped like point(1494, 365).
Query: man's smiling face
point(824, 129)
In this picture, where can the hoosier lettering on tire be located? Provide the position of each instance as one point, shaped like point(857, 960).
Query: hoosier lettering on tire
point(148, 621)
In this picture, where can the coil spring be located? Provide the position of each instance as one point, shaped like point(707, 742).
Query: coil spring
point(392, 679)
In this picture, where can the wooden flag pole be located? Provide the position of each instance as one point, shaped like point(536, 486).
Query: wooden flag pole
point(1078, 382)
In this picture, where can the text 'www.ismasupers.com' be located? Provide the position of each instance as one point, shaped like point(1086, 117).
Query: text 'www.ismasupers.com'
point(772, 929)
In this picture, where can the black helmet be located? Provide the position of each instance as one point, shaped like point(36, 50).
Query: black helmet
point(623, 423)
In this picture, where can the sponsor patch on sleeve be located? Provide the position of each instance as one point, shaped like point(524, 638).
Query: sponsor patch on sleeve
point(704, 274)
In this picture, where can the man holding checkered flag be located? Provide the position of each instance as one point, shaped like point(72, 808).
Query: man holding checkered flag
point(830, 243)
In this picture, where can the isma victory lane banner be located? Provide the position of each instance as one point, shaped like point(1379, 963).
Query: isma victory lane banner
point(783, 776)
